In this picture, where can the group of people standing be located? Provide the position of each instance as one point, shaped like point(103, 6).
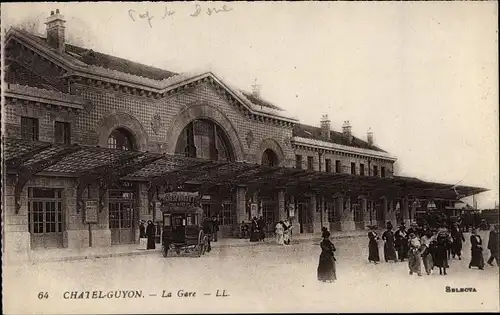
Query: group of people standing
point(257, 230)
point(283, 230)
point(430, 248)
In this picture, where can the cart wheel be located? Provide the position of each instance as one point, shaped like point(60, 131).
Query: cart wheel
point(165, 251)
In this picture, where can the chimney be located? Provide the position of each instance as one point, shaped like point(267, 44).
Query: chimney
point(369, 136)
point(255, 89)
point(55, 31)
point(346, 130)
point(325, 127)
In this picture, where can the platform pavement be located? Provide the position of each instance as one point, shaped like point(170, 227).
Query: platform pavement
point(64, 254)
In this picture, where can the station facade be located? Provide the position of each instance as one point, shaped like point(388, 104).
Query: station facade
point(63, 94)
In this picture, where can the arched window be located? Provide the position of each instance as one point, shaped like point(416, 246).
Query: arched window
point(120, 139)
point(202, 138)
point(269, 158)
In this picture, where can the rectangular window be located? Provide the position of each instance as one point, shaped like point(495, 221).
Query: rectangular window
point(375, 170)
point(362, 169)
point(227, 214)
point(62, 132)
point(382, 171)
point(298, 161)
point(353, 168)
point(338, 167)
point(29, 128)
point(44, 211)
point(310, 163)
point(328, 165)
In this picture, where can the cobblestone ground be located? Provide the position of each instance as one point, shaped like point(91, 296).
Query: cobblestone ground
point(266, 278)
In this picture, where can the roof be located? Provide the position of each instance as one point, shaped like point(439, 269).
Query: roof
point(257, 100)
point(95, 58)
point(178, 170)
point(19, 74)
point(312, 132)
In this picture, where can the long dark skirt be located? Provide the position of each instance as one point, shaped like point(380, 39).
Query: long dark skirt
point(326, 268)
point(373, 254)
point(441, 256)
point(389, 251)
point(254, 236)
point(477, 259)
point(415, 262)
point(151, 242)
point(262, 233)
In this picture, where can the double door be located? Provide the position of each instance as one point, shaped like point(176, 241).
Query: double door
point(121, 222)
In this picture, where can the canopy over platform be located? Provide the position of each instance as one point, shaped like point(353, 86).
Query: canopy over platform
point(160, 170)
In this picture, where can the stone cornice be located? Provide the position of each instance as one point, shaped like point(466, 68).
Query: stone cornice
point(329, 146)
point(53, 98)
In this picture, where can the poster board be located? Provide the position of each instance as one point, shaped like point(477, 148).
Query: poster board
point(91, 211)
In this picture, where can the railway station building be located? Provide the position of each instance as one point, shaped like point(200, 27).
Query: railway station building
point(93, 142)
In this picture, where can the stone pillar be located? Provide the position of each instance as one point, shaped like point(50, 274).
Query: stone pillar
point(366, 214)
point(241, 205)
point(314, 214)
point(391, 211)
point(405, 214)
point(282, 213)
point(16, 238)
point(347, 219)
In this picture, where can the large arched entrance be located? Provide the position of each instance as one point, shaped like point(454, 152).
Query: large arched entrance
point(269, 158)
point(122, 197)
point(205, 139)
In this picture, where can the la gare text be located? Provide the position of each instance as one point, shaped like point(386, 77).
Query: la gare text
point(136, 294)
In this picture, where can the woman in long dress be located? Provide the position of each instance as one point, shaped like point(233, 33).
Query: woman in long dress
point(279, 229)
point(414, 255)
point(150, 233)
point(427, 241)
point(443, 243)
point(389, 249)
point(477, 259)
point(254, 231)
point(326, 266)
point(373, 254)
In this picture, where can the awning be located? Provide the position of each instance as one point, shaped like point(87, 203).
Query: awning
point(96, 163)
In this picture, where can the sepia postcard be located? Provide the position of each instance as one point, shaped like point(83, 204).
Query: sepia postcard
point(249, 157)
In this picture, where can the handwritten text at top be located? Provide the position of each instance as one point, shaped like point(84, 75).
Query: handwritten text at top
point(196, 11)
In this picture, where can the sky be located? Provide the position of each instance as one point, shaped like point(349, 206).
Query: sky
point(422, 75)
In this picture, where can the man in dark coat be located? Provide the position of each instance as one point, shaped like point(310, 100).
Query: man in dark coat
point(493, 245)
point(261, 224)
point(458, 238)
point(401, 242)
point(151, 235)
point(142, 230)
point(215, 223)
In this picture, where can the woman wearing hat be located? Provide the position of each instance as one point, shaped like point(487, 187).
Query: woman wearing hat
point(389, 250)
point(373, 254)
point(326, 266)
point(443, 243)
point(476, 242)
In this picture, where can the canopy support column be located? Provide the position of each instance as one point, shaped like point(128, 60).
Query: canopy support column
point(347, 219)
